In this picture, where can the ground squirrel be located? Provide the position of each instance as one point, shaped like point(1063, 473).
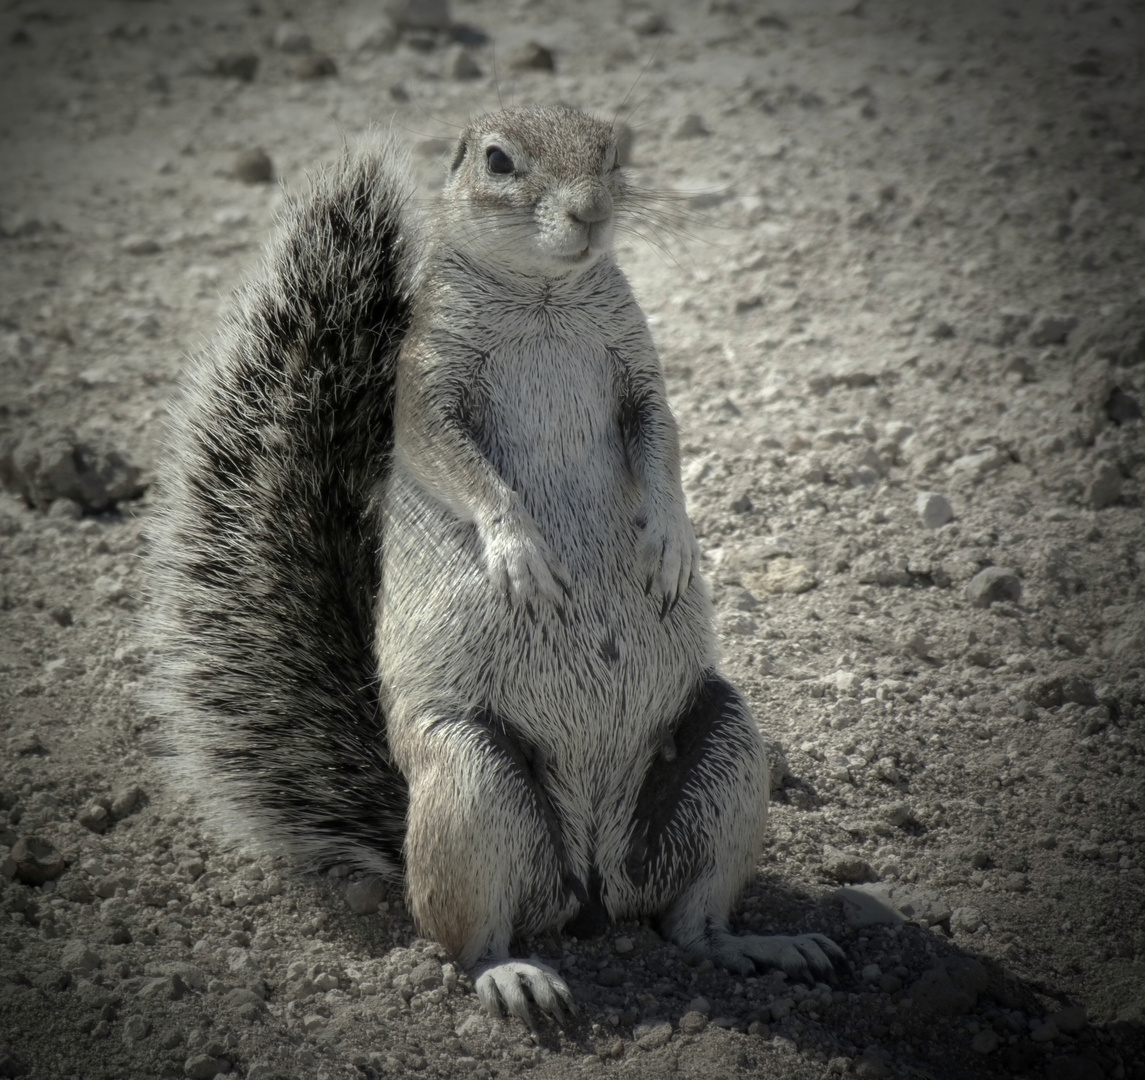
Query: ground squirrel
point(426, 594)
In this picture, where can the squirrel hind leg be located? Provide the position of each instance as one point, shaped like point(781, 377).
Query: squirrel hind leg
point(696, 835)
point(485, 857)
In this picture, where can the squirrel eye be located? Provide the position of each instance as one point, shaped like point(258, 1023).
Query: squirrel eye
point(498, 160)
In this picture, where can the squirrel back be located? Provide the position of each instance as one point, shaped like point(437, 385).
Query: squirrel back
point(265, 573)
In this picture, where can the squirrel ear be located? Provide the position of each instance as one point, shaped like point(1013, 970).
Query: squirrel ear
point(459, 155)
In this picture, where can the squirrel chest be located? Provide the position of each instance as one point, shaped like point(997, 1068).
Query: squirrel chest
point(543, 406)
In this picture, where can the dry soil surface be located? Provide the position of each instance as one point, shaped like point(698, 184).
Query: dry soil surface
point(903, 256)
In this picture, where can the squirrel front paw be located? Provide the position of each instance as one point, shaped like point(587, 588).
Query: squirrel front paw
point(669, 553)
point(521, 566)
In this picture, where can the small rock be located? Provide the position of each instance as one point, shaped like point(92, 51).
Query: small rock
point(136, 1028)
point(652, 1034)
point(61, 614)
point(252, 167)
point(78, 957)
point(1074, 1067)
point(125, 800)
point(47, 466)
point(950, 988)
point(846, 868)
point(871, 973)
point(985, 1041)
point(1045, 1033)
point(914, 643)
point(700, 1005)
point(1052, 328)
point(236, 65)
point(364, 896)
point(623, 945)
point(1121, 407)
point(291, 38)
point(27, 744)
point(934, 509)
point(93, 817)
point(995, 583)
point(1105, 487)
point(373, 35)
point(532, 56)
point(464, 66)
point(784, 576)
point(421, 14)
point(36, 860)
point(692, 126)
point(315, 66)
point(205, 1067)
point(1070, 1020)
point(648, 23)
point(693, 1022)
point(426, 976)
point(1047, 693)
point(139, 245)
point(780, 1009)
point(966, 919)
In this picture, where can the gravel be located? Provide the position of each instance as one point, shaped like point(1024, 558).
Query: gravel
point(984, 762)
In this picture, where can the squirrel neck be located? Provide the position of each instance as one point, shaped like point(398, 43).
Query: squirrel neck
point(448, 272)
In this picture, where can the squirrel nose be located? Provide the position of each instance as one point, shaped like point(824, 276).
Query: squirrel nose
point(596, 206)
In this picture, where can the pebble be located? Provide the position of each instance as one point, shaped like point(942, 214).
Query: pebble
point(78, 957)
point(1054, 690)
point(125, 800)
point(1070, 1020)
point(137, 244)
point(532, 56)
point(652, 1034)
point(934, 509)
point(849, 869)
point(993, 584)
point(985, 1041)
point(57, 464)
point(693, 1022)
point(36, 860)
point(464, 66)
point(700, 1005)
point(421, 14)
point(365, 896)
point(315, 66)
point(374, 35)
point(291, 38)
point(950, 988)
point(623, 945)
point(1051, 328)
point(252, 166)
point(871, 973)
point(1045, 1032)
point(781, 576)
point(136, 1028)
point(236, 65)
point(1104, 487)
point(967, 919)
point(205, 1067)
point(692, 126)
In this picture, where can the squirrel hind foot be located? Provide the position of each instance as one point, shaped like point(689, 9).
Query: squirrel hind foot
point(511, 983)
point(809, 958)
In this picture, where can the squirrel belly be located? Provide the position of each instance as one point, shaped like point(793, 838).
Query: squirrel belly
point(426, 597)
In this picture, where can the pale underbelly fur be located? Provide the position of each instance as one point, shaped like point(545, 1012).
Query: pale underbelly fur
point(594, 689)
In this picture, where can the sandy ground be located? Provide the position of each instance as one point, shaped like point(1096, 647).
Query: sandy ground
point(904, 258)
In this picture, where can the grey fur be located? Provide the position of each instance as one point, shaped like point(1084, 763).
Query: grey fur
point(542, 639)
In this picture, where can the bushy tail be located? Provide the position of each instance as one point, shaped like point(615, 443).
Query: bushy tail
point(266, 555)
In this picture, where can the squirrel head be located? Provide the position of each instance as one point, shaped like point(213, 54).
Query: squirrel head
point(534, 191)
